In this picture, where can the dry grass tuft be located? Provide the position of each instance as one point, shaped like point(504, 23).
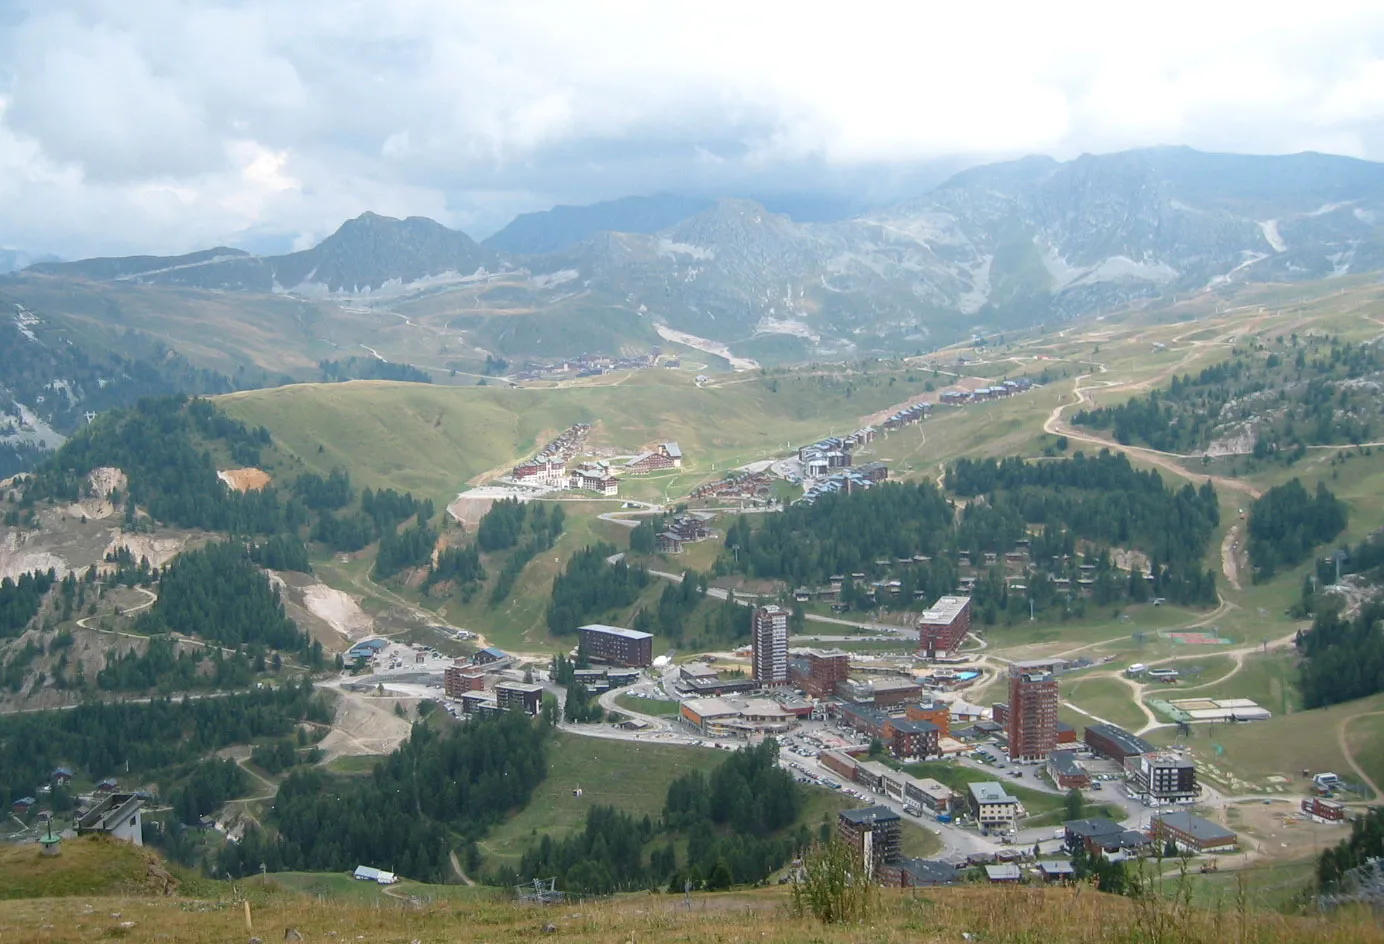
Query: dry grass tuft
point(761, 917)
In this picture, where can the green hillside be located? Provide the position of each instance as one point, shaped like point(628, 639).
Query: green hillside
point(432, 440)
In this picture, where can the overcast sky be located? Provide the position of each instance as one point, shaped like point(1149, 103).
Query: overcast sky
point(160, 126)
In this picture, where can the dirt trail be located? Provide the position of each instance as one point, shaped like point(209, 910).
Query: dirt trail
point(1230, 563)
point(1164, 460)
point(1343, 741)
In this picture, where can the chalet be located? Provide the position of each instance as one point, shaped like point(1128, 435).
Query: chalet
point(551, 472)
point(492, 658)
point(109, 785)
point(61, 776)
point(22, 805)
point(666, 455)
point(587, 478)
point(668, 542)
point(1057, 870)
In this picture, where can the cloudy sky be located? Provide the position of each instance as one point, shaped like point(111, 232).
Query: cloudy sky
point(161, 126)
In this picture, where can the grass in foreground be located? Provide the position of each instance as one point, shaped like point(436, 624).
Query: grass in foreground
point(90, 865)
point(991, 914)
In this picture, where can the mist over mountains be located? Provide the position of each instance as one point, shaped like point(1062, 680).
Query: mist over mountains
point(996, 246)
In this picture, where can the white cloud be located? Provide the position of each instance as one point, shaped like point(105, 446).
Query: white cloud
point(165, 125)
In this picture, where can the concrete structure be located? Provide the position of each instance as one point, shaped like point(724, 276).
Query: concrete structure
point(117, 815)
point(874, 833)
point(1162, 777)
point(819, 671)
point(943, 627)
point(612, 644)
point(1068, 772)
point(1191, 832)
point(461, 678)
point(526, 697)
point(992, 806)
point(1114, 742)
point(1032, 715)
point(719, 717)
point(697, 672)
point(769, 645)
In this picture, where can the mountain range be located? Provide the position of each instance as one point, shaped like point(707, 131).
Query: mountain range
point(996, 246)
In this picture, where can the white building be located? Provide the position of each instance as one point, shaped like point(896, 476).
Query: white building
point(992, 806)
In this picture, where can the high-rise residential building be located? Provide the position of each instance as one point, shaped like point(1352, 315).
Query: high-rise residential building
point(769, 645)
point(1032, 721)
point(944, 626)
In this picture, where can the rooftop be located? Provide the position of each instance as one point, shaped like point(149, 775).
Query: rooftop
point(944, 610)
point(913, 727)
point(1194, 826)
point(615, 631)
point(1065, 763)
point(519, 687)
point(870, 815)
point(989, 791)
point(1091, 828)
point(1129, 743)
point(1168, 759)
point(1006, 872)
point(929, 871)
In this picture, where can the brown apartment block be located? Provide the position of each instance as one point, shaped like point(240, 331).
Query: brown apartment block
point(944, 626)
point(935, 711)
point(1032, 721)
point(825, 669)
point(457, 680)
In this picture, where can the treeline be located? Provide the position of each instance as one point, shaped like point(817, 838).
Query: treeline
point(102, 739)
point(161, 666)
point(589, 588)
point(434, 787)
point(398, 550)
point(1297, 394)
point(1366, 842)
point(20, 600)
point(380, 513)
point(1344, 658)
point(1066, 513)
point(458, 566)
point(528, 527)
point(204, 787)
point(1286, 524)
point(218, 593)
point(277, 756)
point(153, 443)
point(736, 822)
point(370, 368)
